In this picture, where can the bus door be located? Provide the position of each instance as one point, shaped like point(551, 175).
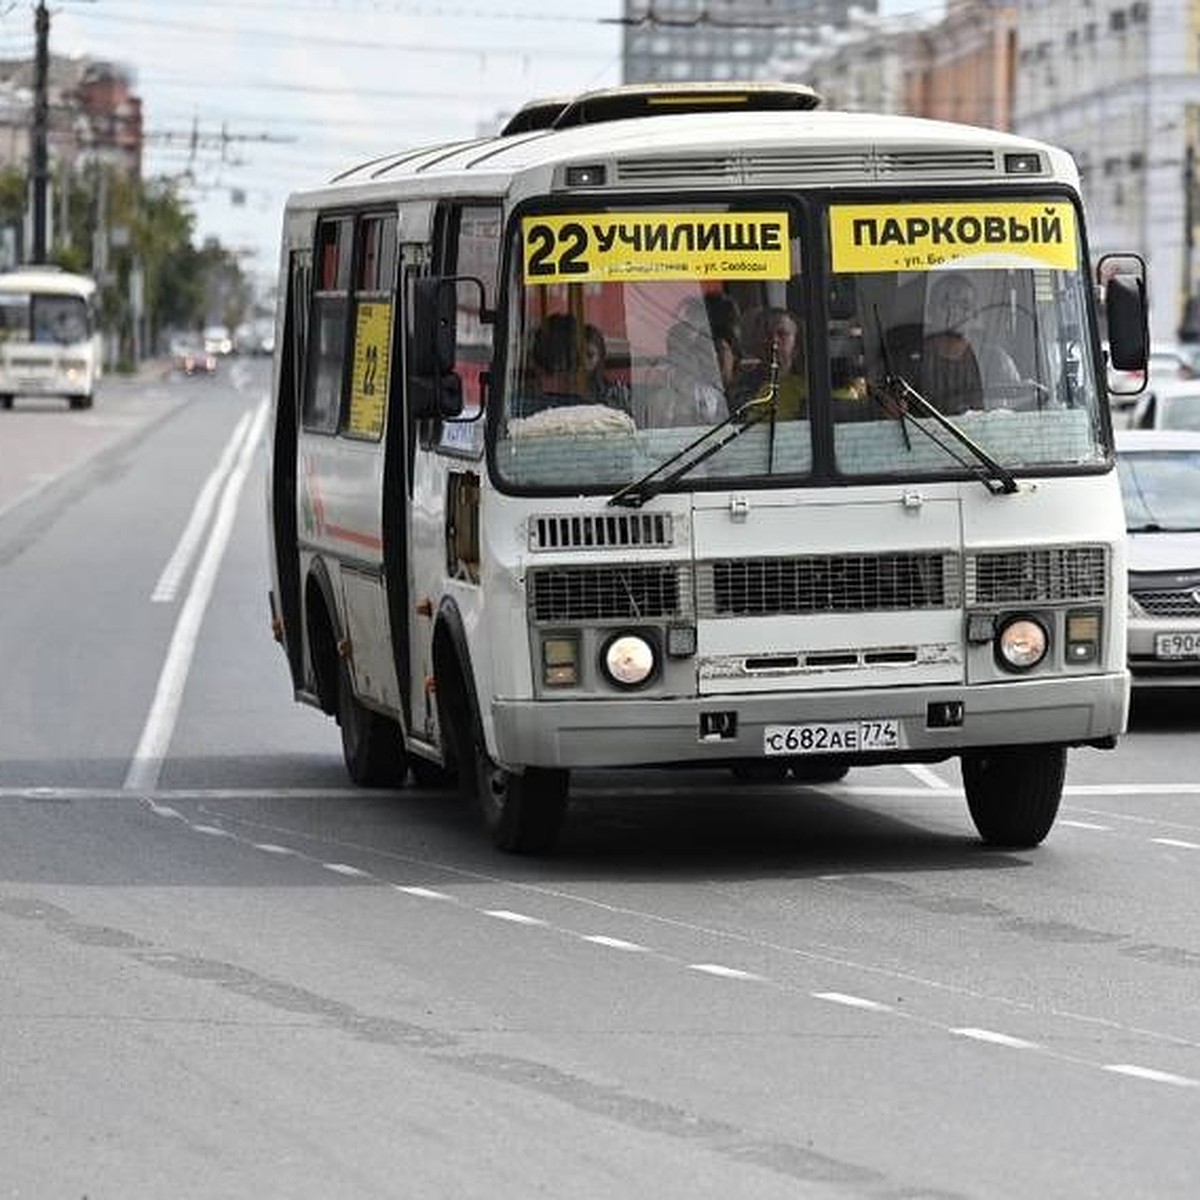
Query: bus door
point(448, 463)
point(285, 464)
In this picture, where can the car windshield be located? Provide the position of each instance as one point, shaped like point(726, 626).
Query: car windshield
point(1160, 489)
point(1179, 412)
point(634, 332)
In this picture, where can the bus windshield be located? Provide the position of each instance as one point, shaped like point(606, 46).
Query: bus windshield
point(631, 333)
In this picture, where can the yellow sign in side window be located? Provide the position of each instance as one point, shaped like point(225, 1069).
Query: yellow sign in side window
point(369, 384)
point(632, 247)
point(921, 236)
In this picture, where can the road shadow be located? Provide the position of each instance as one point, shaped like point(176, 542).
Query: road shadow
point(1164, 710)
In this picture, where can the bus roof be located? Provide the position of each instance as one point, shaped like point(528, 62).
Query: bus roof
point(742, 146)
point(46, 279)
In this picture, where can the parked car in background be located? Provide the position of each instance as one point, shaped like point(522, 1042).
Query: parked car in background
point(1174, 404)
point(189, 357)
point(1160, 486)
point(1168, 363)
point(218, 340)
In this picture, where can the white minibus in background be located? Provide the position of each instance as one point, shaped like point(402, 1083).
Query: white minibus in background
point(49, 341)
point(693, 425)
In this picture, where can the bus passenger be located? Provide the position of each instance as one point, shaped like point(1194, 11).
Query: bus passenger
point(602, 388)
point(556, 357)
point(692, 393)
point(958, 365)
point(775, 337)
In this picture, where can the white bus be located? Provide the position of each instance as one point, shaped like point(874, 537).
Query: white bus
point(50, 344)
point(646, 433)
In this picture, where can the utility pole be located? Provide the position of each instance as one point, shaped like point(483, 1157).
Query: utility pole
point(40, 174)
point(1187, 328)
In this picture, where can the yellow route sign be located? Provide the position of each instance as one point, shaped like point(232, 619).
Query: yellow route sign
point(628, 247)
point(372, 360)
point(924, 235)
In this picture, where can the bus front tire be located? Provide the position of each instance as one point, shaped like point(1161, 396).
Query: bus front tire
point(6, 402)
point(372, 744)
point(80, 401)
point(1013, 793)
point(522, 811)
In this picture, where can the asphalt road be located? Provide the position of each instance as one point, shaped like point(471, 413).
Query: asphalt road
point(227, 973)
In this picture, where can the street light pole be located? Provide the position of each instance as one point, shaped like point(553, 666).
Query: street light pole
point(40, 173)
point(1188, 329)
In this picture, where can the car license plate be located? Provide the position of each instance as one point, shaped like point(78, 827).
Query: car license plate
point(831, 737)
point(1177, 645)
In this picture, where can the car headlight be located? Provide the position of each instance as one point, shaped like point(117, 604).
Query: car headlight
point(1021, 643)
point(629, 660)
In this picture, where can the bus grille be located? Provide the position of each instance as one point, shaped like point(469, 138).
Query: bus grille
point(631, 592)
point(837, 583)
point(816, 165)
point(603, 531)
point(1041, 576)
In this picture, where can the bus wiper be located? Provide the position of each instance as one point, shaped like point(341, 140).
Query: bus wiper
point(899, 394)
point(656, 480)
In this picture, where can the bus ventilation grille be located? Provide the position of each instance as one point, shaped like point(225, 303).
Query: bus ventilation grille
point(633, 592)
point(1046, 575)
point(600, 531)
point(836, 583)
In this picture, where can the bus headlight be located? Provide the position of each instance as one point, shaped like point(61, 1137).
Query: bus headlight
point(1021, 643)
point(629, 660)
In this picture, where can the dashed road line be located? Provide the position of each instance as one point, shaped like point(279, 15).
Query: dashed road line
point(613, 943)
point(1151, 1075)
point(848, 1001)
point(1175, 842)
point(516, 918)
point(723, 972)
point(996, 1039)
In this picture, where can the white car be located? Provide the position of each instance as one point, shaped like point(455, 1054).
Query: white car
point(1173, 404)
point(1160, 484)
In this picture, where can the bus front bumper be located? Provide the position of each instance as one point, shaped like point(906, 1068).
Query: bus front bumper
point(631, 732)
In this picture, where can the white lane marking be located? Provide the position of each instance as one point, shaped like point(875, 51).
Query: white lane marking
point(600, 939)
point(1150, 1074)
point(347, 869)
point(165, 810)
point(422, 893)
point(168, 582)
point(849, 1001)
point(996, 1039)
point(147, 763)
point(1176, 843)
point(932, 781)
point(213, 831)
point(503, 914)
point(1084, 825)
point(272, 848)
point(725, 972)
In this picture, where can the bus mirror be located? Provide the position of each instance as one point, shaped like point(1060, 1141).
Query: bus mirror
point(435, 397)
point(1123, 277)
point(434, 342)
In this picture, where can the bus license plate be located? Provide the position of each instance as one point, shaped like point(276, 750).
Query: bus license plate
point(1177, 645)
point(831, 737)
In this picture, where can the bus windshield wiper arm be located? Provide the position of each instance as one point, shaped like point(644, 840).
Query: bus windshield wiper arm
point(635, 494)
point(996, 478)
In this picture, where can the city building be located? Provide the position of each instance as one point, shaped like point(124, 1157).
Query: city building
point(666, 40)
point(1117, 82)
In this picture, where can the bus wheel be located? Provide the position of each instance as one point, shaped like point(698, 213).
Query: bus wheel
point(523, 812)
point(818, 770)
point(372, 744)
point(1013, 793)
point(428, 774)
point(766, 770)
point(80, 401)
point(6, 401)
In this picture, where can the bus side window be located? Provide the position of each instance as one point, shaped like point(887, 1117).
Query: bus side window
point(476, 252)
point(370, 354)
point(327, 327)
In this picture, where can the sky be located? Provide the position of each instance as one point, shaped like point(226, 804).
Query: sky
point(285, 93)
